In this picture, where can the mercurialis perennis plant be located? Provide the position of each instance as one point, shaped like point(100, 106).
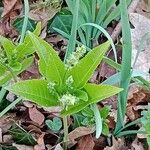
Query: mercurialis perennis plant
point(65, 84)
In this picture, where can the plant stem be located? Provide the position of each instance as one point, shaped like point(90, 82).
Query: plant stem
point(65, 123)
point(25, 22)
point(10, 106)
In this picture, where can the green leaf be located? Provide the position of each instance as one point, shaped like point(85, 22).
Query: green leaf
point(18, 23)
point(81, 95)
point(8, 46)
point(96, 93)
point(55, 124)
point(104, 112)
point(100, 92)
point(85, 68)
point(50, 65)
point(3, 147)
point(105, 129)
point(62, 22)
point(38, 29)
point(36, 91)
point(21, 136)
point(6, 75)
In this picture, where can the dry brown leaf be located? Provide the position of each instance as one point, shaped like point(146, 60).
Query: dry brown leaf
point(7, 139)
point(79, 132)
point(23, 147)
point(136, 145)
point(86, 143)
point(6, 122)
point(137, 97)
point(42, 12)
point(40, 141)
point(12, 8)
point(143, 9)
point(141, 28)
point(117, 145)
point(36, 115)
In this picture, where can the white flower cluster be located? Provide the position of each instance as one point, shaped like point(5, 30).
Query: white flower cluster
point(68, 99)
point(75, 56)
point(51, 87)
point(69, 82)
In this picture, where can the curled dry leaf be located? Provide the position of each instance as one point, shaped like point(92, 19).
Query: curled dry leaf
point(79, 132)
point(137, 96)
point(85, 143)
point(36, 116)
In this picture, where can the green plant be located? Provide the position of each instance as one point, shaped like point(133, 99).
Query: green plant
point(14, 59)
point(86, 118)
point(100, 12)
point(145, 120)
point(65, 85)
point(55, 125)
point(126, 66)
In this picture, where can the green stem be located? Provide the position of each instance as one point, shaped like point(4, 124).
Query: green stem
point(25, 22)
point(10, 106)
point(65, 123)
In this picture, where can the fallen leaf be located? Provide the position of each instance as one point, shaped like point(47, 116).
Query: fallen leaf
point(141, 28)
point(85, 143)
point(36, 115)
point(23, 147)
point(143, 9)
point(40, 141)
point(117, 145)
point(44, 11)
point(6, 122)
point(7, 138)
point(137, 97)
point(12, 8)
point(136, 145)
point(78, 132)
point(10, 97)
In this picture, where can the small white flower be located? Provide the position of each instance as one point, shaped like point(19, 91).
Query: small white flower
point(75, 57)
point(69, 81)
point(68, 99)
point(51, 86)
